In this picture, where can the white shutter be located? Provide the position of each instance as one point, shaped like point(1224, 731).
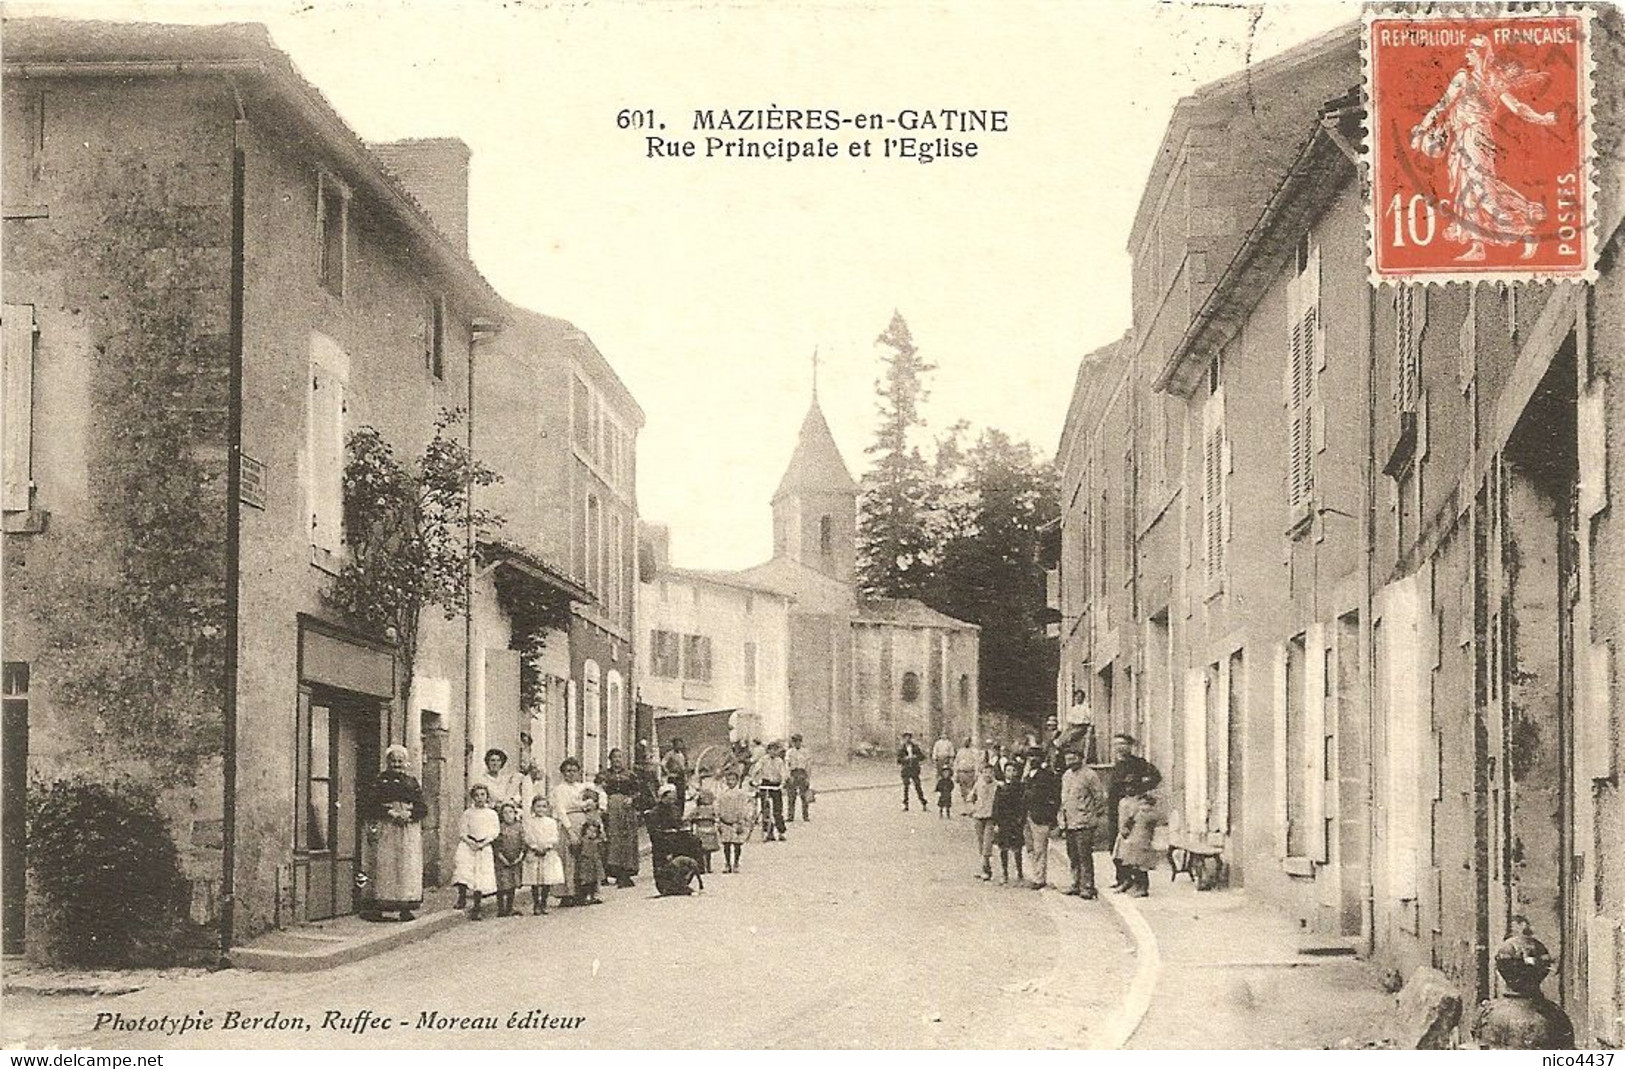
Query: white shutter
point(1219, 820)
point(1314, 730)
point(324, 442)
point(1403, 732)
point(17, 352)
point(1280, 697)
point(1195, 751)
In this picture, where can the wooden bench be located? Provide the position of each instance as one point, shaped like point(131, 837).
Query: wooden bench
point(1203, 862)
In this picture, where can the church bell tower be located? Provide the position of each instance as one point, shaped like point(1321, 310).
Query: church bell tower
point(815, 508)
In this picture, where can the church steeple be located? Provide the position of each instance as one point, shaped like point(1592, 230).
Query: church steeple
point(815, 508)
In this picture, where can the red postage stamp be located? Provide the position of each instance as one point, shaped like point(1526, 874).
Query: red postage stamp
point(1479, 145)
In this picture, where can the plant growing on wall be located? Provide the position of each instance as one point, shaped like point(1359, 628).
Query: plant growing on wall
point(533, 610)
point(407, 526)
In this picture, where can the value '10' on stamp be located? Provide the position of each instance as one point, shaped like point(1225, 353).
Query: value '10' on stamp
point(1479, 145)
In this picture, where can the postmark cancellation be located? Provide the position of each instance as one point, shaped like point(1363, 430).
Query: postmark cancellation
point(1479, 146)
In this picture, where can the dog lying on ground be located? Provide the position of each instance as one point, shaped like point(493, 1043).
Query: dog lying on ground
point(678, 876)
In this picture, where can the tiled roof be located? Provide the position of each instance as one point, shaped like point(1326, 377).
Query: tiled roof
point(908, 612)
point(816, 465)
point(127, 49)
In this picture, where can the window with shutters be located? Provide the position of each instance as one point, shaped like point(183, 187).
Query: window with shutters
point(1129, 519)
point(581, 410)
point(1304, 360)
point(434, 336)
point(17, 354)
point(332, 227)
point(326, 414)
point(1215, 501)
point(750, 665)
point(594, 537)
point(665, 654)
point(697, 658)
point(1407, 349)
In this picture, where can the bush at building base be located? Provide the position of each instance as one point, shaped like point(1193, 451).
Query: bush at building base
point(107, 871)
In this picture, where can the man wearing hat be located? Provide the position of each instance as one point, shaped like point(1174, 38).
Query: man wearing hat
point(1080, 814)
point(1132, 776)
point(909, 759)
point(1042, 797)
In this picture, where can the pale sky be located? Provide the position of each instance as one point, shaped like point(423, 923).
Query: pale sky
point(708, 283)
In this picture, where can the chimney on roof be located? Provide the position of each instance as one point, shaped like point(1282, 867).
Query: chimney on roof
point(435, 171)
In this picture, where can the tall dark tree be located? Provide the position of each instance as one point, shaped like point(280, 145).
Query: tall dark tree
point(989, 569)
point(894, 537)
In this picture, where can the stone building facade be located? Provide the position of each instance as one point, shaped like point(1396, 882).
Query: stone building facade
point(209, 282)
point(1367, 620)
point(712, 640)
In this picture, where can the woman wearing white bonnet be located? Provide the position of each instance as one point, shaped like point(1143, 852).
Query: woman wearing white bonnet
point(394, 809)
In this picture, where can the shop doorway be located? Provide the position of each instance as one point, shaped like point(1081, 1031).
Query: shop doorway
point(338, 752)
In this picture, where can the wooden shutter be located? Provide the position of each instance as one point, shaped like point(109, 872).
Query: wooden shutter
point(1281, 770)
point(1219, 820)
point(1195, 713)
point(1213, 502)
point(17, 352)
point(327, 410)
point(1314, 730)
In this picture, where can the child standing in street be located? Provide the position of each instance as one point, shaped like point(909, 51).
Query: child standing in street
point(945, 792)
point(703, 823)
point(510, 855)
point(473, 867)
point(1010, 823)
point(1137, 821)
point(590, 870)
point(543, 868)
point(983, 793)
point(735, 810)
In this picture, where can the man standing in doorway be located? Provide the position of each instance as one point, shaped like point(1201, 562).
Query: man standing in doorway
point(942, 753)
point(1080, 816)
point(909, 759)
point(1132, 776)
point(800, 765)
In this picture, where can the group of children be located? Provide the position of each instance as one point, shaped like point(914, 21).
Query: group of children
point(499, 852)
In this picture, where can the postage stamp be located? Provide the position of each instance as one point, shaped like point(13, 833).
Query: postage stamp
point(1479, 145)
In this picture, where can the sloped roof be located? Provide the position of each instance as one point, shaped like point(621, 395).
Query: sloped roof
point(816, 465)
point(565, 338)
point(735, 580)
point(812, 590)
point(42, 47)
point(909, 612)
point(1332, 58)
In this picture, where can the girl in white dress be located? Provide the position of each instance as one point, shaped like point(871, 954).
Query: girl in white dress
point(473, 866)
point(543, 868)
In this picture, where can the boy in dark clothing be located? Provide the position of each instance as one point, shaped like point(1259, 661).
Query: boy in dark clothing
point(1010, 822)
point(945, 793)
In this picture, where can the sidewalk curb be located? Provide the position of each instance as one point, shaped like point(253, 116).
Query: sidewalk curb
point(1122, 1025)
point(388, 938)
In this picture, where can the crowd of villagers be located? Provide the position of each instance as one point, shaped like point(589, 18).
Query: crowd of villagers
point(563, 844)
